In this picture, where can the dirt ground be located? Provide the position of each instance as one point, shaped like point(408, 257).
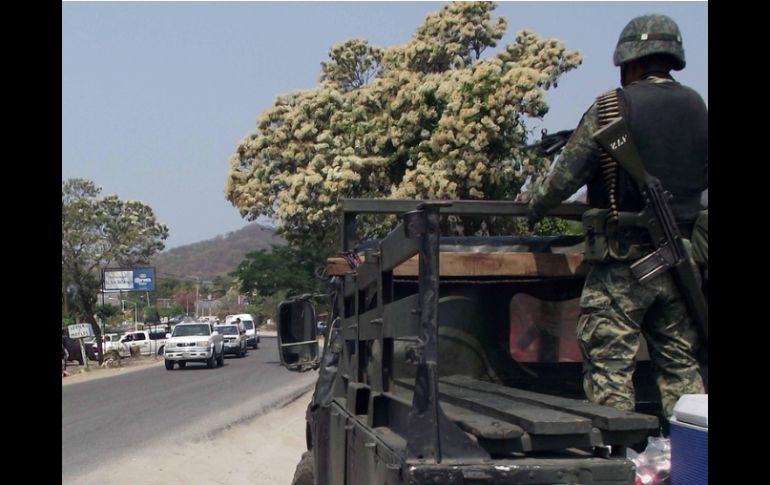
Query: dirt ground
point(264, 451)
point(78, 373)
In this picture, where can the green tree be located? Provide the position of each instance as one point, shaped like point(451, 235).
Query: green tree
point(151, 314)
point(264, 307)
point(427, 119)
point(106, 312)
point(284, 268)
point(99, 233)
point(220, 285)
point(166, 287)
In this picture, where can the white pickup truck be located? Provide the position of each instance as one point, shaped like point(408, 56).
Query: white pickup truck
point(147, 343)
point(194, 342)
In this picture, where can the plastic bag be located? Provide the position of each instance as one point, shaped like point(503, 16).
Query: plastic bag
point(653, 465)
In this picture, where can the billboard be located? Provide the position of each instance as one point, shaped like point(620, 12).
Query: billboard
point(136, 279)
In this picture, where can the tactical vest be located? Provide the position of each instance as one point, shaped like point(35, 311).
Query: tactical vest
point(669, 124)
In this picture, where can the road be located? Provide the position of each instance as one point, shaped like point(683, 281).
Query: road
point(106, 419)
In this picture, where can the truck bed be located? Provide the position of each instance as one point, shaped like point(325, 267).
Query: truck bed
point(506, 421)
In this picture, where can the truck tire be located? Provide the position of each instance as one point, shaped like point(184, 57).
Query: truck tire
point(182, 364)
point(304, 475)
point(221, 358)
point(160, 350)
point(212, 360)
point(170, 364)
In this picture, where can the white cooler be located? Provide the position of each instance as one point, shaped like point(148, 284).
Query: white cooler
point(690, 440)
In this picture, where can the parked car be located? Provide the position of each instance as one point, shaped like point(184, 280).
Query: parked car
point(147, 343)
point(194, 342)
point(235, 339)
point(73, 349)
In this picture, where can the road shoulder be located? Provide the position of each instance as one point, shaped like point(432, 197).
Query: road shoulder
point(78, 373)
point(264, 450)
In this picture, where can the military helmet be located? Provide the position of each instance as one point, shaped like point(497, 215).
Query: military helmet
point(650, 34)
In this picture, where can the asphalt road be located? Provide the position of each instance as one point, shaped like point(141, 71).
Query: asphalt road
point(104, 419)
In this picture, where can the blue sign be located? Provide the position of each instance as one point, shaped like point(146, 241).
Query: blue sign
point(137, 279)
point(144, 279)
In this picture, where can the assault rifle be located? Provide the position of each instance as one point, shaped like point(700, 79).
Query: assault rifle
point(551, 144)
point(658, 218)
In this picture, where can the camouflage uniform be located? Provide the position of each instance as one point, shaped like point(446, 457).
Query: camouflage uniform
point(616, 309)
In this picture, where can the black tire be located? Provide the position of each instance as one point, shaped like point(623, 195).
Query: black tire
point(170, 364)
point(160, 350)
point(182, 364)
point(212, 360)
point(221, 358)
point(304, 474)
point(242, 352)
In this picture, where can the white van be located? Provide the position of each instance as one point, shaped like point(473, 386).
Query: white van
point(249, 325)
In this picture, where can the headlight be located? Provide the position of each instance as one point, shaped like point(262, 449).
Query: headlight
point(203, 343)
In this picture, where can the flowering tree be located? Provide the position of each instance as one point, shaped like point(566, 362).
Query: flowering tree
point(429, 119)
point(98, 233)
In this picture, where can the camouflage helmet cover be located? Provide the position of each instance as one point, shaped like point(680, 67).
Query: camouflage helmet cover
point(650, 34)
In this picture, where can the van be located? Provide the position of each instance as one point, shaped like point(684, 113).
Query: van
point(248, 322)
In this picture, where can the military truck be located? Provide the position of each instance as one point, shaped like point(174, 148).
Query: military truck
point(453, 360)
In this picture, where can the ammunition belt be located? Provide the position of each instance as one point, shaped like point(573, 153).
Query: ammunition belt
point(608, 109)
point(622, 245)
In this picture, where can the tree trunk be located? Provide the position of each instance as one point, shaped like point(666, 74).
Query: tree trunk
point(88, 307)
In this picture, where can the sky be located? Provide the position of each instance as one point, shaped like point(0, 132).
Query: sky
point(156, 96)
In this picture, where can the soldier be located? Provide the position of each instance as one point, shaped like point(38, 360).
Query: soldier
point(669, 124)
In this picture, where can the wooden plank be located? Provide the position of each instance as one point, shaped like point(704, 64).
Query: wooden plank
point(535, 420)
point(603, 417)
point(487, 264)
point(338, 267)
point(482, 426)
point(500, 264)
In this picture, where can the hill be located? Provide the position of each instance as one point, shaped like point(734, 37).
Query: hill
point(217, 256)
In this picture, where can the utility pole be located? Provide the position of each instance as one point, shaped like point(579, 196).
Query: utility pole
point(197, 294)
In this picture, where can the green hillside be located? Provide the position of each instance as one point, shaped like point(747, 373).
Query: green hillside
point(214, 257)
